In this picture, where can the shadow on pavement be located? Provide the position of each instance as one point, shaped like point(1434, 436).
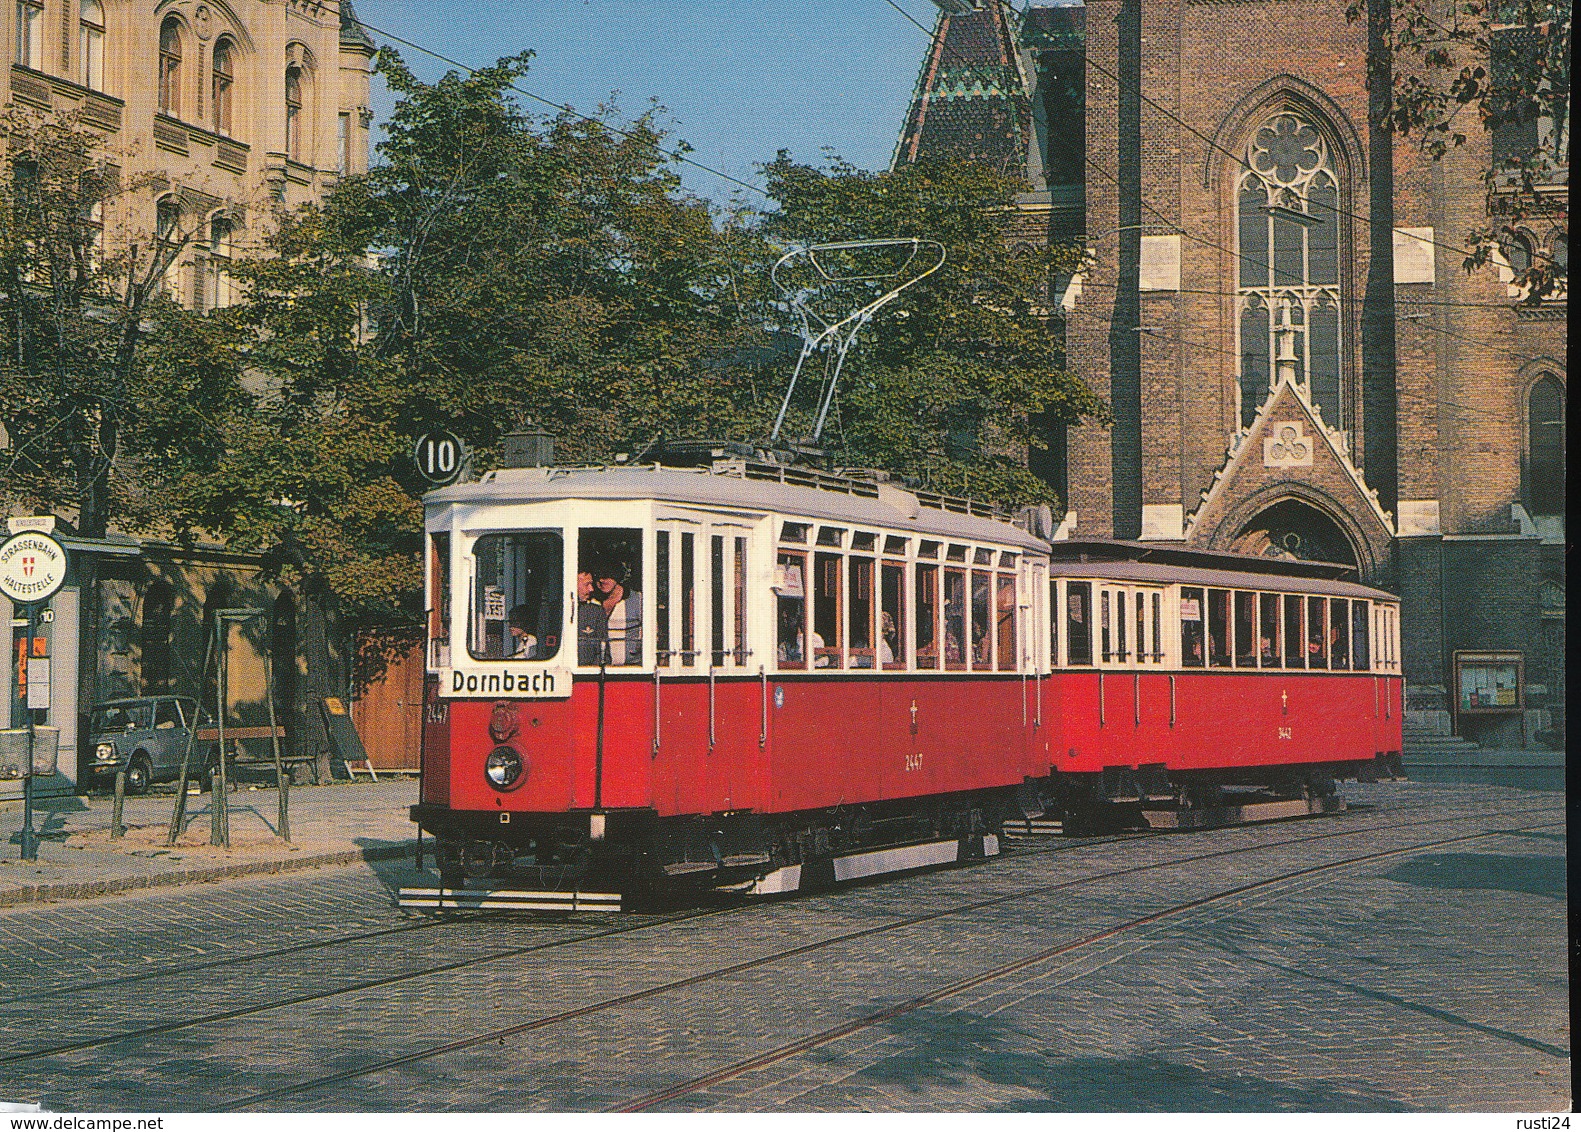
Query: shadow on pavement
point(1534, 875)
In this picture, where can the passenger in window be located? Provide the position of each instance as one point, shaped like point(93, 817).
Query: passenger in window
point(524, 643)
point(592, 622)
point(888, 638)
point(1266, 647)
point(623, 607)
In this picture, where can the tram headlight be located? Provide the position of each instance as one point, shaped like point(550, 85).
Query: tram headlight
point(505, 768)
point(104, 752)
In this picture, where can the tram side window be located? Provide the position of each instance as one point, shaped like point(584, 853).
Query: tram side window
point(612, 557)
point(790, 615)
point(1054, 616)
point(1105, 652)
point(1317, 632)
point(1191, 635)
point(1360, 653)
point(1158, 628)
point(688, 599)
point(439, 587)
point(1219, 628)
point(860, 605)
point(826, 610)
point(742, 651)
point(1245, 629)
point(1119, 625)
point(1339, 634)
point(1295, 638)
point(927, 615)
point(1268, 630)
point(1141, 628)
point(982, 639)
point(1078, 622)
point(716, 611)
point(892, 614)
point(1005, 611)
point(661, 594)
point(517, 604)
point(954, 618)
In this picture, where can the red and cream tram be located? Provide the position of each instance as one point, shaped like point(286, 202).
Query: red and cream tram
point(752, 677)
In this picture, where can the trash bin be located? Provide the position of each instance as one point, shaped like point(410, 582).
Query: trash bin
point(13, 751)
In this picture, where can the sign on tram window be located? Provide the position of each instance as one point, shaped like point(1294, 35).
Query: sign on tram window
point(1489, 681)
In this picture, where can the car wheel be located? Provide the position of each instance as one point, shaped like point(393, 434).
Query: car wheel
point(138, 775)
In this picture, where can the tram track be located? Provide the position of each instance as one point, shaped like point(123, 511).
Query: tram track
point(500, 1035)
point(898, 1010)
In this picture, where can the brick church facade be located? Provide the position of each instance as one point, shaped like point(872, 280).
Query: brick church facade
point(1276, 310)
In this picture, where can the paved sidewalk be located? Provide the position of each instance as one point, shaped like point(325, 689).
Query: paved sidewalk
point(1485, 757)
point(335, 823)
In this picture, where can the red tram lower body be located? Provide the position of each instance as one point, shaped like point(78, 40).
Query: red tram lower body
point(757, 770)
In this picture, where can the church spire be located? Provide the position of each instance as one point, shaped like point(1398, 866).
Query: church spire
point(972, 98)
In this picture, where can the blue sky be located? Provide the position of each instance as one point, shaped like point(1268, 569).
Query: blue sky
point(739, 80)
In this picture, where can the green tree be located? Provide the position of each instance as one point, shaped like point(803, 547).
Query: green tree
point(945, 380)
point(1497, 66)
point(104, 381)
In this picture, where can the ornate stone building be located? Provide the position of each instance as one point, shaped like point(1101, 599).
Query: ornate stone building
point(213, 113)
point(1277, 312)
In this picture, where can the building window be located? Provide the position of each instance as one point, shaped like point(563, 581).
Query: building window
point(170, 67)
point(30, 33)
point(224, 71)
point(1288, 306)
point(217, 286)
point(343, 142)
point(90, 44)
point(1545, 438)
point(293, 112)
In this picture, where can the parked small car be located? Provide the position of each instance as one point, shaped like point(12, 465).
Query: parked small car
point(146, 737)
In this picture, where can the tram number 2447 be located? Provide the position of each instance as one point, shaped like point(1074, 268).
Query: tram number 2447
point(914, 762)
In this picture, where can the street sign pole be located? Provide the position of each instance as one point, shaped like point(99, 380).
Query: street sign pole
point(29, 841)
point(32, 568)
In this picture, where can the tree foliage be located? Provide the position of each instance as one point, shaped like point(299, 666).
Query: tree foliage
point(1503, 67)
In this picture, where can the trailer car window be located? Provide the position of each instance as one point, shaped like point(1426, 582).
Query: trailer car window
point(1339, 633)
point(716, 593)
point(1054, 616)
point(1158, 628)
point(688, 599)
point(1078, 622)
point(1141, 628)
point(1191, 635)
point(1317, 632)
point(1219, 628)
point(1295, 636)
point(1268, 630)
point(516, 598)
point(1245, 626)
point(1104, 651)
point(1358, 637)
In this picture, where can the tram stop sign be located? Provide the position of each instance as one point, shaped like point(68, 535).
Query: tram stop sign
point(32, 567)
point(439, 456)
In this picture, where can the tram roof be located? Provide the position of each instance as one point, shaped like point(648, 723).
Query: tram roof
point(1152, 562)
point(850, 502)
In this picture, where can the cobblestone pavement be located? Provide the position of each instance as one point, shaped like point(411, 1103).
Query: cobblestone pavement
point(1433, 979)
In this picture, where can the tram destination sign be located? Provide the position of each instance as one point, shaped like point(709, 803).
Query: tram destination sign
point(506, 682)
point(32, 567)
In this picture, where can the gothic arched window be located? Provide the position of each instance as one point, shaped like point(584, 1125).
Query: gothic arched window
point(90, 43)
point(1545, 440)
point(1288, 232)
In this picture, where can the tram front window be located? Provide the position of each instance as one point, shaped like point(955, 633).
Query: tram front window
point(516, 611)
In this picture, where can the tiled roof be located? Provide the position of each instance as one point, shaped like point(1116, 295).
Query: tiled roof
point(971, 99)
